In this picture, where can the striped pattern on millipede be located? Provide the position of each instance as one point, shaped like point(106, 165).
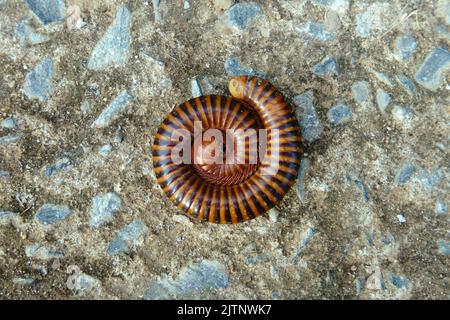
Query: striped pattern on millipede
point(230, 193)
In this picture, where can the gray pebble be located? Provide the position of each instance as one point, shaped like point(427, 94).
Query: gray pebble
point(59, 165)
point(127, 238)
point(302, 171)
point(327, 67)
point(430, 74)
point(444, 247)
point(193, 280)
point(241, 15)
point(306, 113)
point(405, 47)
point(47, 11)
point(404, 174)
point(112, 48)
point(50, 213)
point(195, 88)
point(27, 36)
point(315, 31)
point(407, 85)
point(234, 68)
point(360, 91)
point(383, 99)
point(441, 208)
point(105, 149)
point(399, 281)
point(103, 208)
point(8, 123)
point(10, 138)
point(113, 110)
point(39, 81)
point(339, 114)
point(40, 252)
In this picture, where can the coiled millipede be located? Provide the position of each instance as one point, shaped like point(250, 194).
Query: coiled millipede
point(227, 191)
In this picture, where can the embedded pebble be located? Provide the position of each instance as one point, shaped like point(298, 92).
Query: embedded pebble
point(407, 85)
point(234, 68)
point(39, 81)
point(302, 171)
point(327, 67)
point(399, 281)
point(5, 174)
point(38, 251)
point(401, 218)
point(113, 110)
point(196, 90)
point(47, 11)
point(315, 31)
point(340, 6)
point(402, 115)
point(59, 165)
point(441, 208)
point(10, 138)
point(50, 213)
point(27, 36)
point(7, 217)
point(105, 149)
point(193, 281)
point(430, 74)
point(127, 238)
point(444, 247)
point(360, 91)
point(311, 127)
point(242, 14)
point(383, 99)
point(306, 239)
point(339, 114)
point(405, 47)
point(387, 80)
point(8, 123)
point(103, 208)
point(112, 48)
point(404, 174)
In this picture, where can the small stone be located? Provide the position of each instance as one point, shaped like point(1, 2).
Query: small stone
point(340, 6)
point(86, 283)
point(306, 239)
point(241, 15)
point(195, 88)
point(233, 68)
point(193, 281)
point(431, 73)
point(74, 20)
point(375, 280)
point(399, 281)
point(105, 149)
point(383, 99)
point(37, 251)
point(327, 67)
point(339, 114)
point(444, 247)
point(306, 113)
point(9, 123)
point(39, 82)
point(186, 5)
point(383, 78)
point(7, 217)
point(443, 31)
point(401, 218)
point(404, 174)
point(407, 84)
point(59, 165)
point(361, 186)
point(441, 208)
point(103, 208)
point(430, 180)
point(315, 31)
point(127, 238)
point(112, 48)
point(360, 91)
point(27, 36)
point(47, 11)
point(113, 110)
point(4, 174)
point(10, 138)
point(402, 115)
point(23, 281)
point(405, 47)
point(50, 213)
point(302, 171)
point(273, 215)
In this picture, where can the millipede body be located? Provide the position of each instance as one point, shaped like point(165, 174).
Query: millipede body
point(226, 191)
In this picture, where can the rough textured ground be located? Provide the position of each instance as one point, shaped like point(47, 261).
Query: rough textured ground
point(85, 84)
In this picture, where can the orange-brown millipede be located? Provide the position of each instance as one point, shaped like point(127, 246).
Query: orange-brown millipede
point(231, 193)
